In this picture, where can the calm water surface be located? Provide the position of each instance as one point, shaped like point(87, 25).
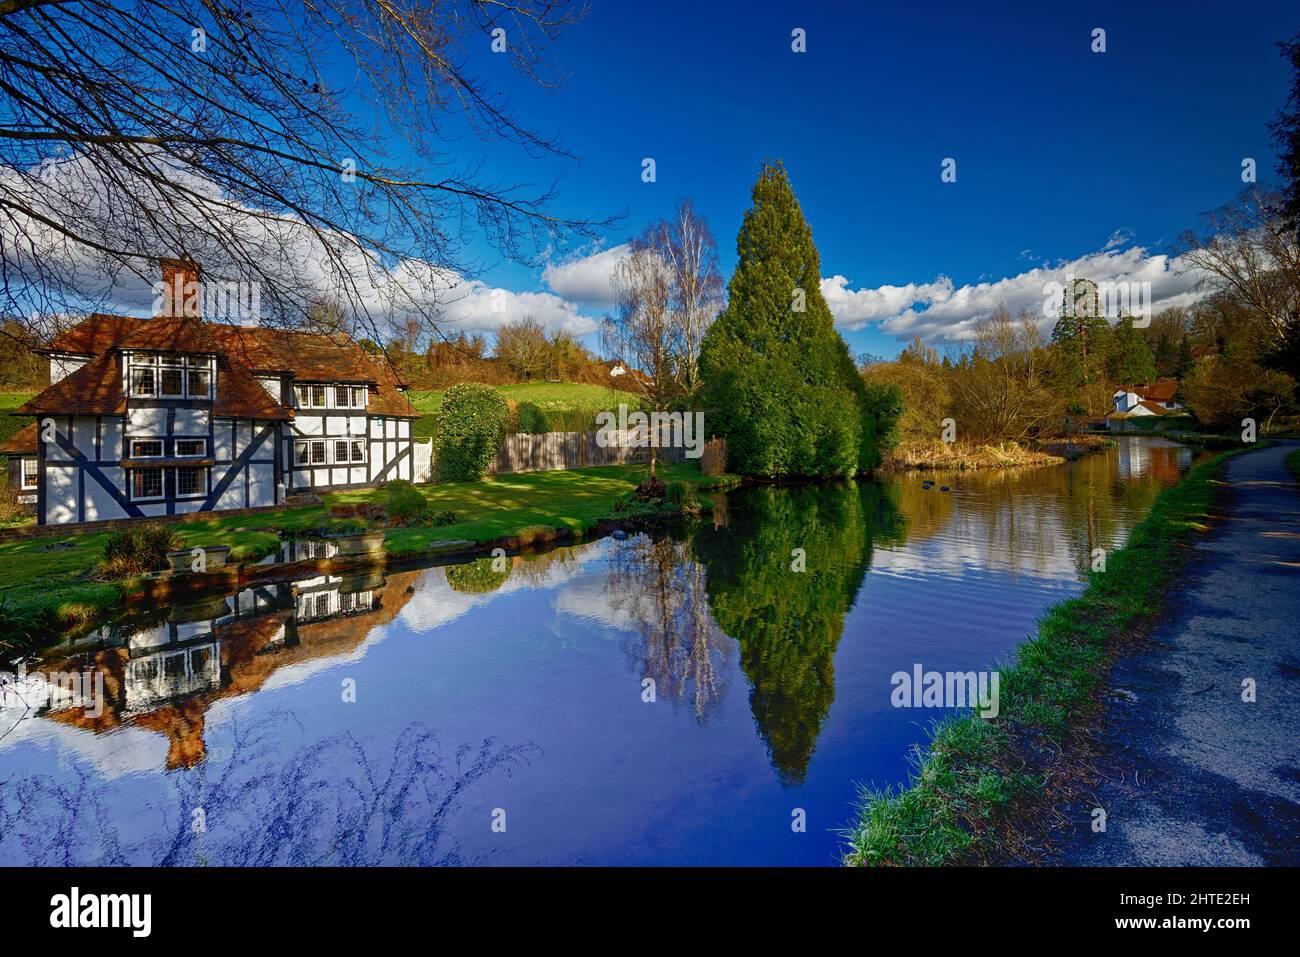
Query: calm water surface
point(393, 719)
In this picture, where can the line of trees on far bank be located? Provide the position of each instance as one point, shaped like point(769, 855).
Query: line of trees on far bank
point(1235, 353)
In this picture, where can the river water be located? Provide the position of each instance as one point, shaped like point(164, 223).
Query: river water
point(715, 695)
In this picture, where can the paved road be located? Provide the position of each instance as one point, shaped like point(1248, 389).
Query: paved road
point(1198, 776)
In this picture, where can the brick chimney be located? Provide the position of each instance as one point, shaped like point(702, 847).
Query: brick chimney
point(181, 292)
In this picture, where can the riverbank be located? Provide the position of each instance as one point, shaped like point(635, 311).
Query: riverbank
point(1194, 760)
point(980, 780)
point(964, 456)
point(49, 584)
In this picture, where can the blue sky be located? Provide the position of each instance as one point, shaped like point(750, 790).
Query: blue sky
point(1060, 151)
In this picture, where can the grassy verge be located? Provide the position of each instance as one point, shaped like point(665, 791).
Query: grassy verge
point(974, 784)
point(52, 581)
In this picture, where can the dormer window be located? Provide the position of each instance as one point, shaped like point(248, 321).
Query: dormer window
point(321, 396)
point(170, 376)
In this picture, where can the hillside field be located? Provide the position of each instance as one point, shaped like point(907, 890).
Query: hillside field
point(568, 406)
point(9, 424)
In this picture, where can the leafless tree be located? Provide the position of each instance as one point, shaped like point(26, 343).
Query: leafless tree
point(687, 245)
point(1001, 389)
point(1248, 253)
point(522, 347)
point(667, 291)
point(302, 149)
point(645, 332)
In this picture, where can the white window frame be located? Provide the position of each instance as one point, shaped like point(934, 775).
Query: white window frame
point(331, 395)
point(204, 485)
point(155, 364)
point(195, 370)
point(29, 481)
point(165, 370)
point(153, 378)
point(356, 449)
point(306, 394)
point(203, 449)
point(308, 444)
point(141, 455)
point(162, 484)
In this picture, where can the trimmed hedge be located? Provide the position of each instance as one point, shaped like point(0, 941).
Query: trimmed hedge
point(474, 419)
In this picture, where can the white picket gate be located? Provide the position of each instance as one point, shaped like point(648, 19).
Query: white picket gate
point(423, 462)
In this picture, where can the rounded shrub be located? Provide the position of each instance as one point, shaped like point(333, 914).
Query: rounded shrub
point(530, 418)
point(473, 421)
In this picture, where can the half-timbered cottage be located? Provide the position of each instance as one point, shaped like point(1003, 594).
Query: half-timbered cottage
point(159, 416)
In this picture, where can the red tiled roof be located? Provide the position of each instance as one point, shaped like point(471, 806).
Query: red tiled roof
point(311, 357)
point(94, 334)
point(94, 389)
point(169, 335)
point(22, 442)
point(240, 396)
point(314, 357)
point(1162, 390)
point(1153, 407)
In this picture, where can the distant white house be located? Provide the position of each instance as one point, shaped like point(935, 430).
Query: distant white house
point(1156, 398)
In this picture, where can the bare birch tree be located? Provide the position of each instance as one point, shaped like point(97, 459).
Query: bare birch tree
point(687, 245)
point(644, 332)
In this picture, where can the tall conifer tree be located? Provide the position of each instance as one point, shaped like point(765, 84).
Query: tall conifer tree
point(780, 382)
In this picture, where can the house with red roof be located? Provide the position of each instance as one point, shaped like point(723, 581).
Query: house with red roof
point(1151, 398)
point(170, 414)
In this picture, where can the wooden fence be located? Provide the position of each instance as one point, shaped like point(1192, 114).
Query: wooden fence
point(547, 451)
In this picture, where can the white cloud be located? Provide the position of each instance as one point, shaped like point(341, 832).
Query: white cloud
point(72, 189)
point(941, 311)
point(475, 306)
point(587, 279)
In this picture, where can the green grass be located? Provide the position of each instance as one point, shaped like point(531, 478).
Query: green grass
point(960, 806)
point(40, 577)
point(9, 424)
point(569, 406)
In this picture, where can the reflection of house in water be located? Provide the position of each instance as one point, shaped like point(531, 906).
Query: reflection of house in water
point(305, 550)
point(165, 676)
point(331, 596)
point(1146, 459)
